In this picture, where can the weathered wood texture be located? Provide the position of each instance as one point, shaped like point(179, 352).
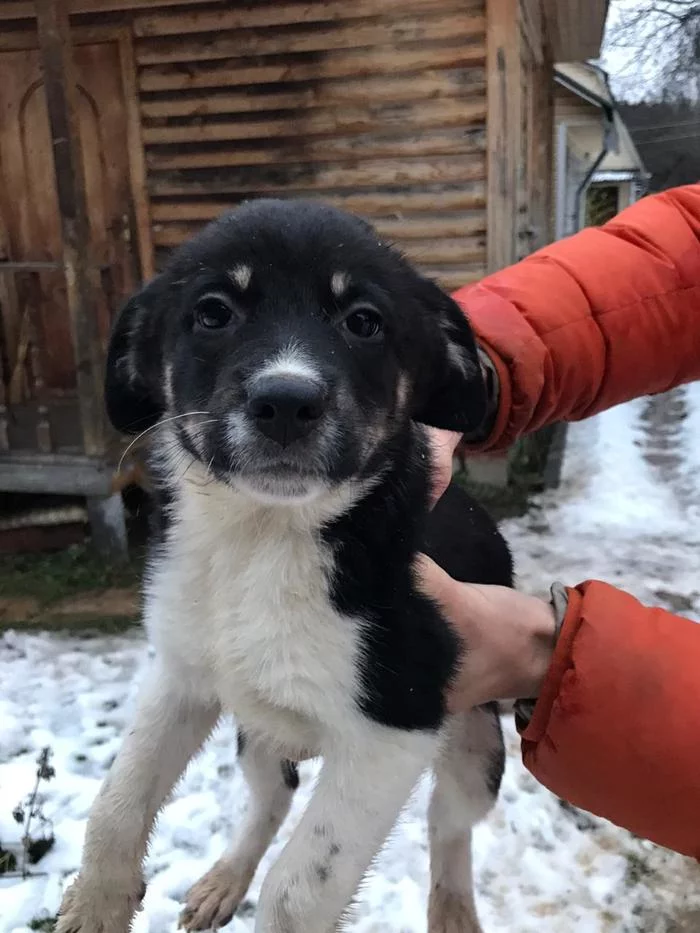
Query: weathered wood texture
point(377, 106)
point(519, 137)
point(42, 315)
point(504, 99)
point(81, 276)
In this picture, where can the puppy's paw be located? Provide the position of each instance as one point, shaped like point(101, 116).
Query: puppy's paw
point(449, 912)
point(99, 908)
point(214, 899)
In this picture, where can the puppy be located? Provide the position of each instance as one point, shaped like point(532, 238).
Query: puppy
point(288, 357)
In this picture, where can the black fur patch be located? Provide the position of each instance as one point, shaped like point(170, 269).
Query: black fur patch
point(497, 764)
point(290, 774)
point(410, 652)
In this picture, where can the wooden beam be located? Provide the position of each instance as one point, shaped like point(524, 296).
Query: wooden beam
point(137, 161)
point(309, 151)
point(542, 155)
point(371, 173)
point(82, 279)
point(503, 129)
point(436, 85)
point(287, 14)
point(263, 42)
point(378, 62)
point(62, 474)
point(25, 9)
point(467, 197)
point(341, 121)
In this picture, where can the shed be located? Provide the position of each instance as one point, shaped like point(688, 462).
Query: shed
point(126, 124)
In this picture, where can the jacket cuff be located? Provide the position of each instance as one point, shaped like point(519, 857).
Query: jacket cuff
point(491, 380)
point(559, 600)
point(533, 729)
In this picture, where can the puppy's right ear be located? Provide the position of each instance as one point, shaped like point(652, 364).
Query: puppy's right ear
point(133, 379)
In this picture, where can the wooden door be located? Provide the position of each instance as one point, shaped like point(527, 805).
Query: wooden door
point(30, 225)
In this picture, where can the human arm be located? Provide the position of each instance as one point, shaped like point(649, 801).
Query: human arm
point(589, 322)
point(599, 318)
point(615, 725)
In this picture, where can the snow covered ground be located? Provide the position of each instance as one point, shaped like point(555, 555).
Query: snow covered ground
point(627, 511)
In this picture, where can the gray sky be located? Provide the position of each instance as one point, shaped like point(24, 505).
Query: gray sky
point(636, 75)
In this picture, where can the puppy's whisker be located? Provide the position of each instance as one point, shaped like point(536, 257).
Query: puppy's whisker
point(160, 424)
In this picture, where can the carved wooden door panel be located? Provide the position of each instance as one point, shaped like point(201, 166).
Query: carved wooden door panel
point(34, 307)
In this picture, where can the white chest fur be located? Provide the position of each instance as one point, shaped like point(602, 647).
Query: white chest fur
point(239, 607)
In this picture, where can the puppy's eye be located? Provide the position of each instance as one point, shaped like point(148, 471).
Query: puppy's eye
point(214, 311)
point(364, 323)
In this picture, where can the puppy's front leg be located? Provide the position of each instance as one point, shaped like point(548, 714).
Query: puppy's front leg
point(363, 785)
point(168, 730)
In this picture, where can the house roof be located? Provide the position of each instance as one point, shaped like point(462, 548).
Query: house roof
point(575, 28)
point(589, 83)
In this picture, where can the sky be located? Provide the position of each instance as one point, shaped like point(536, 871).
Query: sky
point(636, 76)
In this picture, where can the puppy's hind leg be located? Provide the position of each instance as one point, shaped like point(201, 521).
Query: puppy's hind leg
point(213, 900)
point(467, 779)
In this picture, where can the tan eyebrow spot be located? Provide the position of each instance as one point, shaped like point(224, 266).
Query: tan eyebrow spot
point(339, 283)
point(241, 276)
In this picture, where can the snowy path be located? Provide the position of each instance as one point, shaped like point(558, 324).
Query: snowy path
point(627, 512)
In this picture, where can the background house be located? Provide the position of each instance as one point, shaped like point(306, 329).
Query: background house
point(125, 124)
point(598, 170)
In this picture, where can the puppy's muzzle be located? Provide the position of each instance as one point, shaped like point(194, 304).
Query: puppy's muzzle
point(286, 408)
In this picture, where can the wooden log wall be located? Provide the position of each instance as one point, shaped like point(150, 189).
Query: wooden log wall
point(377, 106)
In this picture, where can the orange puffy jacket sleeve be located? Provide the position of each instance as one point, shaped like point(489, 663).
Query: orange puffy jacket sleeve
point(607, 315)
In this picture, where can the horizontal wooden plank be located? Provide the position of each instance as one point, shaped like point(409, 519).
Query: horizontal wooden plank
point(434, 252)
point(439, 228)
point(24, 9)
point(179, 23)
point(374, 173)
point(452, 279)
point(304, 151)
point(388, 204)
point(22, 39)
point(261, 42)
point(344, 120)
point(448, 277)
point(63, 474)
point(437, 85)
point(437, 253)
point(434, 229)
point(381, 62)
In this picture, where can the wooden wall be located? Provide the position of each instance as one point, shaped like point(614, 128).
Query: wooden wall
point(379, 106)
point(374, 105)
point(519, 139)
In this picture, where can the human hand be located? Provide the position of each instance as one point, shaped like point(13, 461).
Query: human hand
point(442, 447)
point(508, 637)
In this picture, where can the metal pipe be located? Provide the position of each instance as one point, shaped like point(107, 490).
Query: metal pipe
point(562, 176)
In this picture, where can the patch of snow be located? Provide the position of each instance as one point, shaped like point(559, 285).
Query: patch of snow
point(541, 866)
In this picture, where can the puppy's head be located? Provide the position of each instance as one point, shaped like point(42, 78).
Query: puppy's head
point(285, 346)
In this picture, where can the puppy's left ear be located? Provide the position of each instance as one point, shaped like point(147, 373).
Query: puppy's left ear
point(133, 373)
point(451, 391)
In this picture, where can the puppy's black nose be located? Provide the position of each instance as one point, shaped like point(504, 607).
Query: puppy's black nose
point(286, 408)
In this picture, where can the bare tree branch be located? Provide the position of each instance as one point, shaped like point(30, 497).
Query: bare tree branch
point(660, 42)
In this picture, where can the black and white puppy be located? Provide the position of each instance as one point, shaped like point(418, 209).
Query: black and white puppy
point(287, 356)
